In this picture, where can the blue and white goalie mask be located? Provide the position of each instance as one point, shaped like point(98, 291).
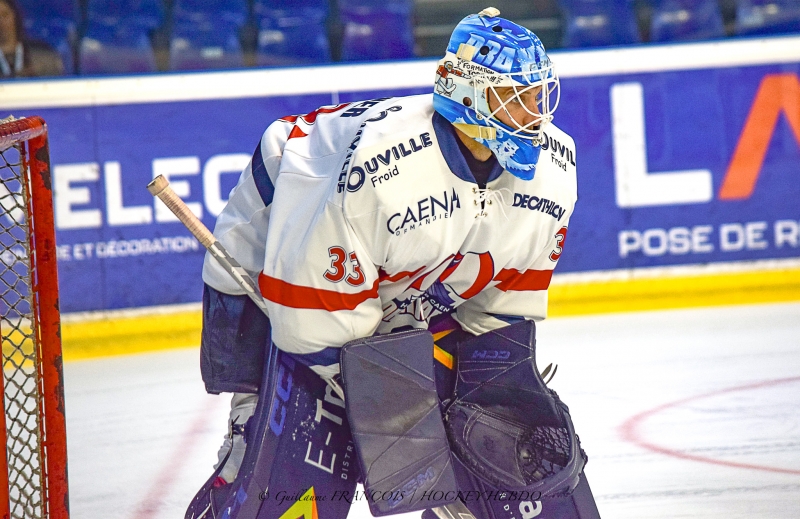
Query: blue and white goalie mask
point(497, 85)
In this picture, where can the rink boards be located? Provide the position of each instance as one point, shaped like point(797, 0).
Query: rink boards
point(687, 156)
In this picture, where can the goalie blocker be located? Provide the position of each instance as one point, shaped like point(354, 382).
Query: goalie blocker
point(481, 437)
point(499, 441)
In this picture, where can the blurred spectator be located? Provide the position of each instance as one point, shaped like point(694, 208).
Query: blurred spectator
point(20, 56)
point(377, 29)
point(757, 17)
point(593, 23)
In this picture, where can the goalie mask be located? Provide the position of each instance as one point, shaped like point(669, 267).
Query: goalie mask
point(497, 85)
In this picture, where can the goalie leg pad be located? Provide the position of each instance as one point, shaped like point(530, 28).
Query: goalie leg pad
point(505, 425)
point(299, 458)
point(397, 423)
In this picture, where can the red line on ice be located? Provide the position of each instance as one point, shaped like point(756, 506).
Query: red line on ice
point(150, 505)
point(630, 429)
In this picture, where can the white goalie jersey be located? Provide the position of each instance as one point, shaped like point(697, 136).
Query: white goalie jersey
point(364, 218)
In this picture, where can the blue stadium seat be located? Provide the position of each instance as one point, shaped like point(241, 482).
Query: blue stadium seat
point(50, 9)
point(262, 8)
point(291, 32)
point(54, 22)
point(767, 16)
point(376, 32)
point(675, 20)
point(595, 23)
point(122, 48)
point(58, 35)
point(293, 40)
point(232, 12)
point(206, 45)
point(149, 14)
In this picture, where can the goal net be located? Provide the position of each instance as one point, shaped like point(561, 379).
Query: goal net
point(33, 468)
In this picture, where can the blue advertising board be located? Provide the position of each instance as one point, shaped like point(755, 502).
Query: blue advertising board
point(656, 171)
point(680, 166)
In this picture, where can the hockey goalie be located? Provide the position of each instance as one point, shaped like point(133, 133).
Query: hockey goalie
point(403, 248)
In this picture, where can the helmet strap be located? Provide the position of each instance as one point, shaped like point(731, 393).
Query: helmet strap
point(466, 52)
point(477, 132)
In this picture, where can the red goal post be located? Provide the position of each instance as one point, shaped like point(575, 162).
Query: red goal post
point(33, 468)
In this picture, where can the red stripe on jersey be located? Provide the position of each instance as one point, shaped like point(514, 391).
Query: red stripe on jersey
point(297, 296)
point(452, 267)
point(297, 132)
point(512, 279)
point(385, 276)
point(483, 278)
point(311, 117)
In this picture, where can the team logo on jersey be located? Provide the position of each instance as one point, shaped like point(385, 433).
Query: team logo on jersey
point(426, 211)
point(534, 203)
point(463, 278)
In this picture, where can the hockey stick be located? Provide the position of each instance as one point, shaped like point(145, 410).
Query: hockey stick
point(159, 187)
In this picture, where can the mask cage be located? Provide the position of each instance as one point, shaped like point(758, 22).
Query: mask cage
point(546, 100)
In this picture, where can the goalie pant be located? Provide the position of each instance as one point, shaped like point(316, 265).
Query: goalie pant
point(365, 218)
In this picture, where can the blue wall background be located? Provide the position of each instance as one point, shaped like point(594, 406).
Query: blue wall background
point(693, 121)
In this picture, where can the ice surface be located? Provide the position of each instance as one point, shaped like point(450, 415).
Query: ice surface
point(683, 413)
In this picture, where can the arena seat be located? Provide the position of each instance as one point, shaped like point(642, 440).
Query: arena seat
point(148, 14)
point(593, 23)
point(230, 12)
point(291, 32)
point(293, 40)
point(675, 20)
point(376, 30)
point(767, 17)
point(205, 45)
point(120, 48)
point(57, 34)
point(50, 9)
point(55, 23)
point(285, 7)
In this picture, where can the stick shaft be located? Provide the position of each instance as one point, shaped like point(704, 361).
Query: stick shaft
point(159, 187)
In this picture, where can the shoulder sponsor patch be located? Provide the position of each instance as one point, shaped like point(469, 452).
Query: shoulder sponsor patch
point(560, 154)
point(356, 178)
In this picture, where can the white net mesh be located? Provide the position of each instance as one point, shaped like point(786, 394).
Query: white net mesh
point(19, 345)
